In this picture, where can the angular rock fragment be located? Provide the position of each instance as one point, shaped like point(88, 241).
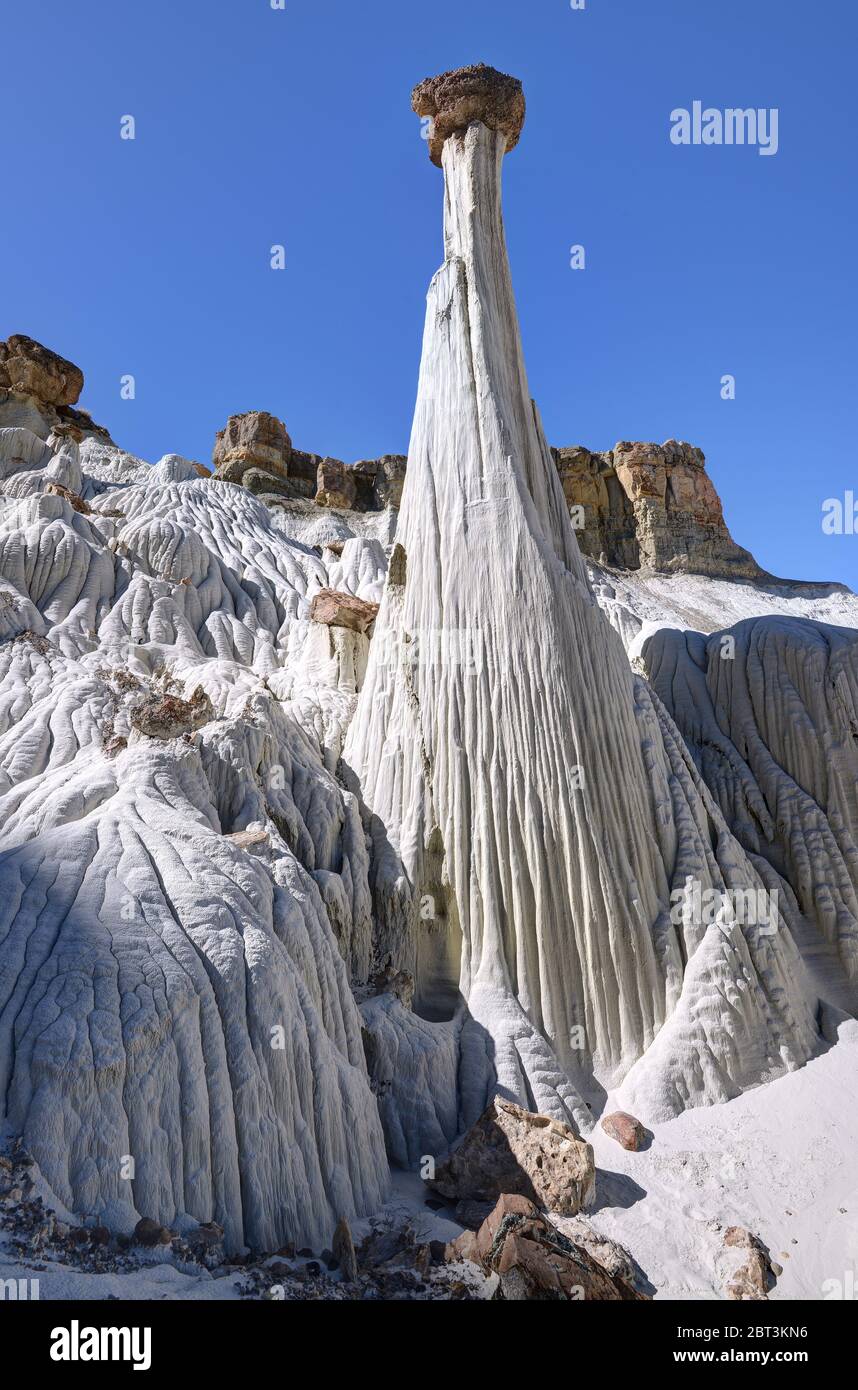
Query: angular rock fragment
point(79, 505)
point(245, 839)
point(337, 609)
point(743, 1266)
point(511, 1150)
point(535, 1261)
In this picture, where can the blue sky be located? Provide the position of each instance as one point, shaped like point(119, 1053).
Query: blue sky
point(257, 127)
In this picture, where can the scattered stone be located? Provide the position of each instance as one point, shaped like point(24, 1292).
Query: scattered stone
point(60, 490)
point(626, 1130)
point(168, 716)
point(397, 982)
point(149, 1233)
point(39, 643)
point(206, 1236)
point(511, 1150)
point(743, 1266)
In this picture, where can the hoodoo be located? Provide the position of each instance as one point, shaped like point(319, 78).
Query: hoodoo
point(532, 804)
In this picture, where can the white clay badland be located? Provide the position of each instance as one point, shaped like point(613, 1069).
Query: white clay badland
point(484, 794)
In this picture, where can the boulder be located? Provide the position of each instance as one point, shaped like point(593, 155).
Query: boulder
point(626, 1130)
point(33, 370)
point(338, 609)
point(206, 1243)
point(262, 483)
point(150, 1233)
point(254, 439)
point(512, 1151)
point(614, 1258)
point(205, 1236)
point(535, 1261)
point(400, 983)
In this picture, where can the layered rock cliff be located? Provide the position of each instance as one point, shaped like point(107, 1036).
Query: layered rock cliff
point(651, 506)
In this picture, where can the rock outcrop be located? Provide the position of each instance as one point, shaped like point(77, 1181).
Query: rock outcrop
point(650, 506)
point(636, 506)
point(39, 390)
point(335, 485)
point(255, 451)
point(33, 370)
point(253, 440)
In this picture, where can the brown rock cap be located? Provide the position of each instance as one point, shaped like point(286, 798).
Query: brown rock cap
point(454, 100)
point(339, 609)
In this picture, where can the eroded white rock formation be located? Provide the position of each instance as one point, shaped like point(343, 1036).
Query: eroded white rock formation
point(178, 1035)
